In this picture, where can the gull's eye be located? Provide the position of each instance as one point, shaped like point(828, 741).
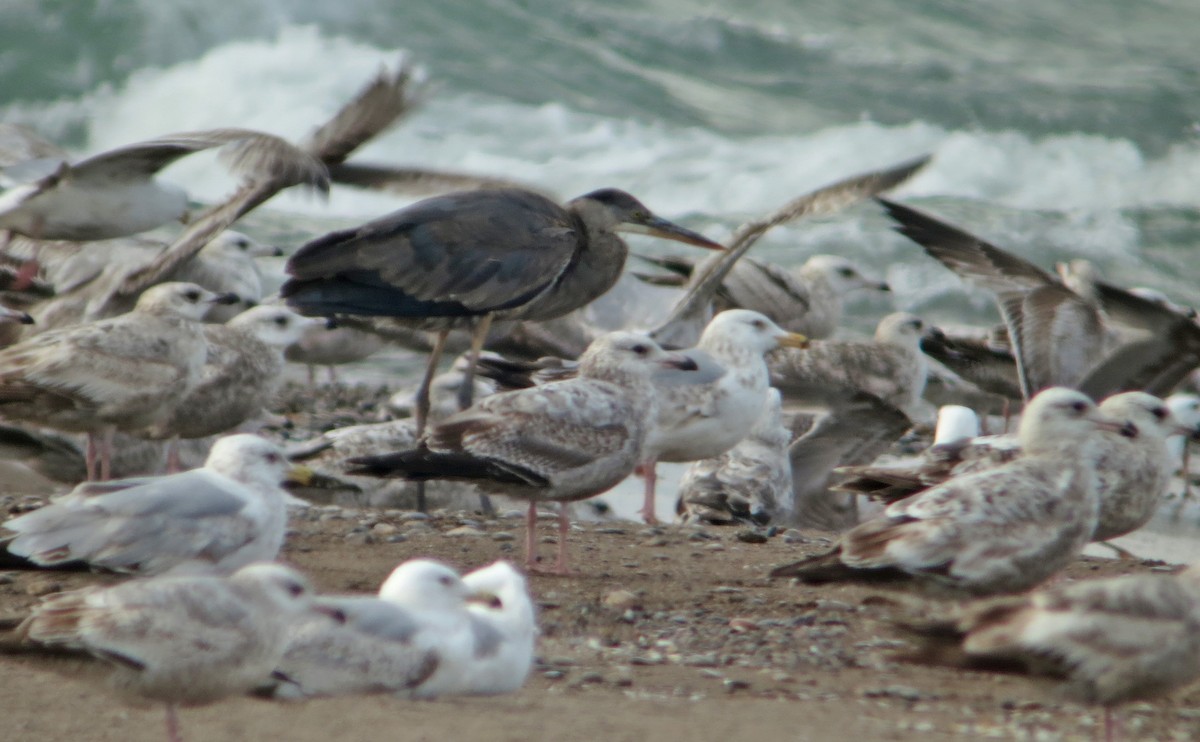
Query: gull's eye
point(759, 324)
point(281, 321)
point(272, 458)
point(295, 589)
point(640, 349)
point(1079, 407)
point(1160, 413)
point(846, 272)
point(446, 580)
point(192, 295)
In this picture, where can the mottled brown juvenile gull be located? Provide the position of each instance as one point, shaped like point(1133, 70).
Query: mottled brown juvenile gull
point(698, 418)
point(808, 300)
point(1110, 641)
point(1001, 530)
point(214, 519)
point(243, 368)
point(563, 441)
point(181, 641)
point(115, 374)
point(891, 367)
point(749, 483)
point(322, 345)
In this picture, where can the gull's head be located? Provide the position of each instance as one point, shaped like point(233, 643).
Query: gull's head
point(283, 589)
point(627, 354)
point(231, 244)
point(955, 422)
point(900, 328)
point(184, 299)
point(274, 324)
point(248, 459)
point(750, 330)
point(1186, 409)
point(841, 274)
point(497, 585)
point(1149, 415)
point(1060, 416)
point(425, 584)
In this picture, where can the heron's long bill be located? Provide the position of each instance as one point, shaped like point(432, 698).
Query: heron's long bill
point(656, 226)
point(793, 340)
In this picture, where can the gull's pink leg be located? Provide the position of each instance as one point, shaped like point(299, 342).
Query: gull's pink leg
point(89, 457)
point(564, 526)
point(649, 471)
point(106, 451)
point(531, 537)
point(173, 734)
point(173, 464)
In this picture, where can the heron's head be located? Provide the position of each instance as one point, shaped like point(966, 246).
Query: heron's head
point(615, 210)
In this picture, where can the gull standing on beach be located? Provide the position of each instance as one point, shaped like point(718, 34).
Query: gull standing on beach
point(562, 441)
point(214, 519)
point(1001, 530)
point(114, 374)
point(182, 641)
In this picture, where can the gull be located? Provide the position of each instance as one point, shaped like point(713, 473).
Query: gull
point(322, 345)
point(563, 441)
point(891, 367)
point(227, 265)
point(242, 371)
point(181, 641)
point(114, 374)
point(702, 412)
point(1060, 335)
point(698, 419)
point(1133, 471)
point(1131, 466)
point(1001, 530)
point(1114, 640)
point(115, 194)
point(214, 519)
point(428, 633)
point(808, 300)
point(749, 483)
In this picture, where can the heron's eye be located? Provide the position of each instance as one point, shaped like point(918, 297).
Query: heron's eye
point(192, 295)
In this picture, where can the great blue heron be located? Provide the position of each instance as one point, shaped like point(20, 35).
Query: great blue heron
point(464, 258)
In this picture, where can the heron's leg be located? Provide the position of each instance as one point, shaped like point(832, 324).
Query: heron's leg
point(466, 392)
point(650, 472)
point(421, 406)
point(173, 734)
